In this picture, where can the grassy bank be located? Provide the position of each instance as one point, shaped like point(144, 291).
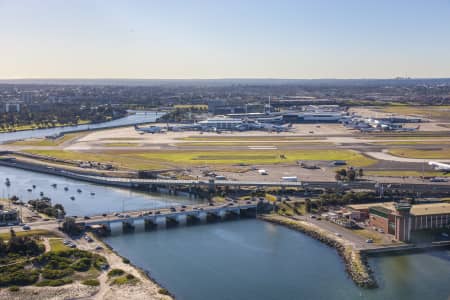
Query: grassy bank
point(157, 159)
point(425, 154)
point(48, 142)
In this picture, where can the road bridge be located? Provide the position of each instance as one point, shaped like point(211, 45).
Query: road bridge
point(185, 214)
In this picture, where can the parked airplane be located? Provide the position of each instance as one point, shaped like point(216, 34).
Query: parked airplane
point(440, 166)
point(151, 129)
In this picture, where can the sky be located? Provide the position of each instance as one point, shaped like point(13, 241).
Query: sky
point(183, 39)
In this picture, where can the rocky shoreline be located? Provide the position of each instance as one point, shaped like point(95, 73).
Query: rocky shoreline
point(355, 262)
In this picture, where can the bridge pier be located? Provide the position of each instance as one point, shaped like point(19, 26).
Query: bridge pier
point(171, 221)
point(150, 224)
point(212, 217)
point(248, 212)
point(232, 214)
point(128, 225)
point(192, 219)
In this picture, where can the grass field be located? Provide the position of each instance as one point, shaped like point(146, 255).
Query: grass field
point(425, 154)
point(437, 142)
point(367, 234)
point(401, 173)
point(156, 159)
point(5, 236)
point(435, 112)
point(57, 244)
point(48, 142)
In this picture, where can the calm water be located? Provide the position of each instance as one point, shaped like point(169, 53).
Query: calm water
point(106, 199)
point(137, 117)
point(252, 259)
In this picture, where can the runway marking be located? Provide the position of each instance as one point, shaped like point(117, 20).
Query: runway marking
point(262, 147)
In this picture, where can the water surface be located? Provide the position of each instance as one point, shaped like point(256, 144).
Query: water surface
point(137, 117)
point(106, 199)
point(252, 259)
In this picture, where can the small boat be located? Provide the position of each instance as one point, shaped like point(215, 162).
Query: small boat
point(78, 190)
point(66, 188)
point(29, 190)
point(34, 186)
point(41, 193)
point(7, 182)
point(54, 185)
point(72, 198)
point(92, 193)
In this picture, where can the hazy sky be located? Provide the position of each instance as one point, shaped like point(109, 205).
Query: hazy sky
point(224, 38)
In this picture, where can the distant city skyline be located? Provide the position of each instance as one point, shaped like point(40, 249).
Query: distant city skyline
point(200, 39)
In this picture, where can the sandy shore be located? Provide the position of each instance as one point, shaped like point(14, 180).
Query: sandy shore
point(144, 289)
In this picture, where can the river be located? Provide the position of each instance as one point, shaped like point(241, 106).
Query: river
point(252, 259)
point(106, 199)
point(135, 117)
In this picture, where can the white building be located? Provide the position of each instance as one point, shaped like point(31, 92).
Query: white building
point(221, 122)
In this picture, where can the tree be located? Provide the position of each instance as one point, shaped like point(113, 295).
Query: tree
point(360, 173)
point(351, 175)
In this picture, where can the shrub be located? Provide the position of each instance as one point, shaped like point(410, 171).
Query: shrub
point(91, 282)
point(82, 265)
point(56, 274)
point(14, 288)
point(163, 291)
point(116, 272)
point(125, 260)
point(54, 282)
point(21, 278)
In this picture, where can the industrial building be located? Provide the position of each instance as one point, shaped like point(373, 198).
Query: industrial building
point(402, 219)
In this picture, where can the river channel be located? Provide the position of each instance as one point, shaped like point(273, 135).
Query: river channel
point(104, 199)
point(135, 117)
point(252, 259)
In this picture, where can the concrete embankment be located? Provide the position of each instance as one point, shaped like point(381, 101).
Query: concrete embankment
point(355, 261)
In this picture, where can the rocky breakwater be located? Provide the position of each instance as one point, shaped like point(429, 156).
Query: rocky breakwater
point(355, 262)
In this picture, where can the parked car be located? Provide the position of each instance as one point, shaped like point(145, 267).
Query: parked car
point(369, 241)
point(26, 227)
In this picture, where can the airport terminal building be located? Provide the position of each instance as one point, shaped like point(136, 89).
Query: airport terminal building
point(402, 219)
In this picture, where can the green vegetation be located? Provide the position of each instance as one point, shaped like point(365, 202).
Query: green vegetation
point(54, 282)
point(125, 260)
point(55, 268)
point(125, 279)
point(425, 154)
point(48, 141)
point(406, 173)
point(91, 282)
point(435, 112)
point(58, 115)
point(44, 206)
point(163, 159)
point(163, 291)
point(34, 232)
point(57, 244)
point(116, 272)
